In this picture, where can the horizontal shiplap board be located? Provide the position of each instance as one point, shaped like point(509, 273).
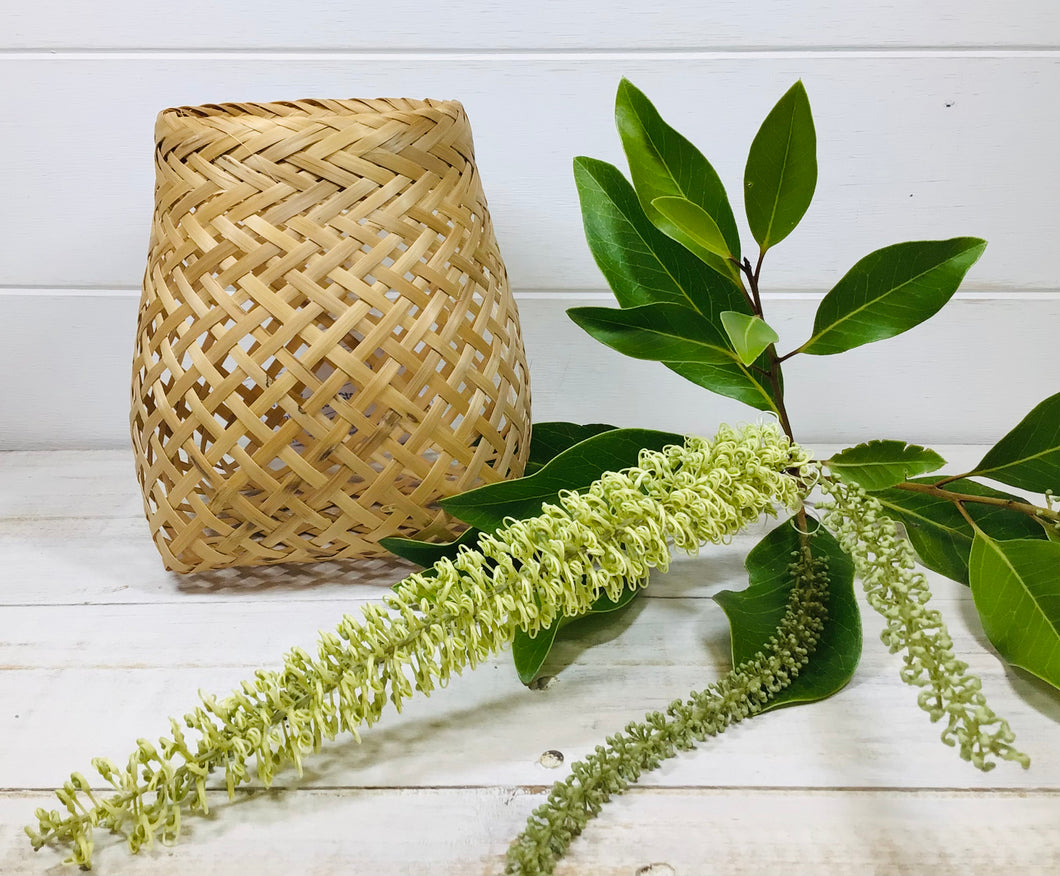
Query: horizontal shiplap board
point(677, 624)
point(465, 832)
point(90, 558)
point(911, 145)
point(75, 520)
point(545, 24)
point(487, 728)
point(967, 376)
point(123, 681)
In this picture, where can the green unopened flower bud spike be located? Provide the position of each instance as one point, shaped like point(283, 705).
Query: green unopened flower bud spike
point(643, 745)
point(886, 563)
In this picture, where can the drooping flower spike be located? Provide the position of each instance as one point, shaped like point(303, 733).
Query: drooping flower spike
point(894, 586)
point(642, 745)
point(434, 624)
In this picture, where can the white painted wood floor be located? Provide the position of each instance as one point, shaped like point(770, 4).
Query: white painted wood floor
point(98, 646)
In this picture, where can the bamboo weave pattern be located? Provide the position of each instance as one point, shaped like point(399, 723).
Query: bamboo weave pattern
point(326, 341)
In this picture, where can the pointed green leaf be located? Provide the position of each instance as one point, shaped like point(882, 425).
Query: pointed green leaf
point(548, 440)
point(1028, 457)
point(641, 264)
point(755, 612)
point(683, 341)
point(695, 224)
point(663, 163)
point(939, 533)
point(781, 172)
point(750, 335)
point(427, 553)
point(574, 469)
point(1016, 588)
point(891, 291)
point(529, 653)
point(877, 465)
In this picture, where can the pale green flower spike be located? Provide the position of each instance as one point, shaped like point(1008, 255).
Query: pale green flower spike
point(886, 563)
point(643, 745)
point(429, 627)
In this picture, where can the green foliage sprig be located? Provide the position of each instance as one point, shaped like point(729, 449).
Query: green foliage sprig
point(601, 506)
point(697, 309)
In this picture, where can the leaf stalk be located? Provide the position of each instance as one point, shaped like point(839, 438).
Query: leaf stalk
point(960, 498)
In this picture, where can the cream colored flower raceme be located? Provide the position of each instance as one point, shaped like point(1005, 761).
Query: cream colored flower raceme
point(886, 563)
point(433, 625)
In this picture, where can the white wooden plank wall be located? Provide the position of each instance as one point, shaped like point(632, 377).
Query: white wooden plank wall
point(934, 120)
point(423, 25)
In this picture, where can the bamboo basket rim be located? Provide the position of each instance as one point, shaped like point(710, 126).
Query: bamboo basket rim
point(315, 108)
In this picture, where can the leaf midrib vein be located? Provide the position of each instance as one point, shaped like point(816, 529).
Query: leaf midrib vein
point(783, 170)
point(982, 472)
point(1024, 592)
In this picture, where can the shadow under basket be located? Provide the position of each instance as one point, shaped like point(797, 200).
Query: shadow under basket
point(326, 342)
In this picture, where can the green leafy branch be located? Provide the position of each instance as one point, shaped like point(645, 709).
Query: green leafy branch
point(698, 309)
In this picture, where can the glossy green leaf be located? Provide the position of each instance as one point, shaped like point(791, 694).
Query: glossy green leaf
point(755, 612)
point(641, 264)
point(781, 172)
point(891, 291)
point(574, 469)
point(530, 652)
point(1016, 588)
point(663, 163)
point(685, 342)
point(548, 440)
point(695, 224)
point(877, 465)
point(940, 535)
point(750, 335)
point(1028, 457)
point(657, 332)
point(427, 553)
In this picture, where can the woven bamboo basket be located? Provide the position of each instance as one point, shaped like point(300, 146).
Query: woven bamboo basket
point(326, 341)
